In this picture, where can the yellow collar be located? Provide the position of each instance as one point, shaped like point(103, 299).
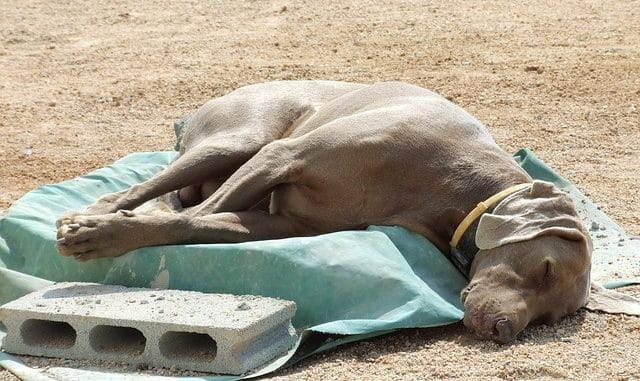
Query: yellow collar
point(481, 208)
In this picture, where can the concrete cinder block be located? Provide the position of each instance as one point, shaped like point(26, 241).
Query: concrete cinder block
point(216, 333)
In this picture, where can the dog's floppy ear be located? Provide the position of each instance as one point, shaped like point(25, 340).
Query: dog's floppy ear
point(543, 209)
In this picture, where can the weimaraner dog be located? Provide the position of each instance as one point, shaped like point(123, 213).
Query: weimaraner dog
point(301, 158)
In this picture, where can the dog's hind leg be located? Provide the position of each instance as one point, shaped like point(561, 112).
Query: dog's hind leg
point(273, 165)
point(218, 142)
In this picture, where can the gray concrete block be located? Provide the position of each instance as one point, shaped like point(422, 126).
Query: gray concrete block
point(216, 333)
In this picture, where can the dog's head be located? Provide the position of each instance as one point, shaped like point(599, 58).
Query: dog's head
point(533, 264)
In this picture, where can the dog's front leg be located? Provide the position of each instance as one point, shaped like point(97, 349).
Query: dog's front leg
point(109, 235)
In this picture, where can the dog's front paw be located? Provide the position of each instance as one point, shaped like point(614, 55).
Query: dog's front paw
point(67, 235)
point(86, 237)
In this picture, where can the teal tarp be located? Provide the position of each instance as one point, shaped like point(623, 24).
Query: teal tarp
point(347, 285)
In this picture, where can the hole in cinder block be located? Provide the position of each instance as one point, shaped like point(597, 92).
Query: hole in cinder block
point(114, 339)
point(48, 334)
point(188, 346)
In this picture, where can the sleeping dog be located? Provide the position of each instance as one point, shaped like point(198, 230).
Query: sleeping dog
point(301, 158)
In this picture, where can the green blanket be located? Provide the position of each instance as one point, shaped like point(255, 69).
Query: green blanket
point(347, 285)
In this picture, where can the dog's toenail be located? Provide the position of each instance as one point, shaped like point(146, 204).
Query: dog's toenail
point(62, 241)
point(73, 226)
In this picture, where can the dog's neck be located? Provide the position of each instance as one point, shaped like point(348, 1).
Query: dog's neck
point(463, 255)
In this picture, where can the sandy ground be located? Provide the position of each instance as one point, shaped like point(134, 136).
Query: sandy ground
point(82, 85)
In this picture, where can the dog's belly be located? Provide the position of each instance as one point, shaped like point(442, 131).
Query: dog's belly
point(313, 208)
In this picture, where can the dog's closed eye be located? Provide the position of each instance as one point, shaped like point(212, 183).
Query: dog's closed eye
point(548, 272)
point(544, 274)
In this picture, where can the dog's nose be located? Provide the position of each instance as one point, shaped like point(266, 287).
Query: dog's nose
point(502, 329)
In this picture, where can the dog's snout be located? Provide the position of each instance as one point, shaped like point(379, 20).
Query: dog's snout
point(502, 329)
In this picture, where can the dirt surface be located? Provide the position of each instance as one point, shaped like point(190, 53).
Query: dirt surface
point(83, 84)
